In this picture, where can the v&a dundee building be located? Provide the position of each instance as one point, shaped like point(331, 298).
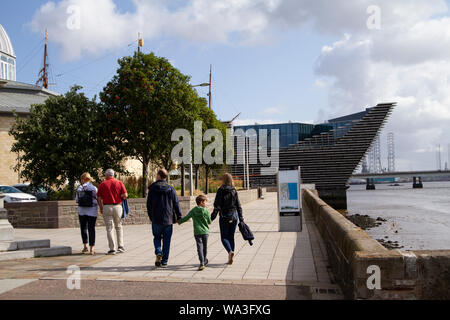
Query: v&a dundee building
point(327, 154)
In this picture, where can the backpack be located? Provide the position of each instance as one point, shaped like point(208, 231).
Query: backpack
point(85, 199)
point(227, 204)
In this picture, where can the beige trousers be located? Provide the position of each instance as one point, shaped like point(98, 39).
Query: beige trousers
point(113, 220)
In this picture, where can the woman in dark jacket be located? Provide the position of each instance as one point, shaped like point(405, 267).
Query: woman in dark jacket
point(228, 205)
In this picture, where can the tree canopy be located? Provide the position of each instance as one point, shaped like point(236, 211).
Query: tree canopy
point(62, 139)
point(144, 103)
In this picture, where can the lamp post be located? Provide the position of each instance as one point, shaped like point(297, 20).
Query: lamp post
point(206, 84)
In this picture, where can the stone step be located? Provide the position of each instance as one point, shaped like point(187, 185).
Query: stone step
point(53, 251)
point(23, 245)
point(36, 253)
point(16, 255)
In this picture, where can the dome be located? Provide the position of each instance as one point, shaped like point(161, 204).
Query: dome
point(5, 43)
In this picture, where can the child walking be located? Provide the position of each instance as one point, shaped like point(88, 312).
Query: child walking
point(202, 220)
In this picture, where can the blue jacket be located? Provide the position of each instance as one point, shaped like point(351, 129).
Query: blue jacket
point(125, 209)
point(162, 204)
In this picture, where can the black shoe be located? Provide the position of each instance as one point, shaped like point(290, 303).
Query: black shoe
point(158, 260)
point(163, 265)
point(111, 252)
point(206, 263)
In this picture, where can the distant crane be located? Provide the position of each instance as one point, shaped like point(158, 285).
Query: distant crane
point(391, 152)
point(374, 157)
point(438, 158)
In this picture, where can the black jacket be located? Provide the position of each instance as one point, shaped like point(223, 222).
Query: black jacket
point(227, 201)
point(247, 234)
point(162, 204)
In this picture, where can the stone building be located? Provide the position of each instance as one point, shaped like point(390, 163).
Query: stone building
point(15, 97)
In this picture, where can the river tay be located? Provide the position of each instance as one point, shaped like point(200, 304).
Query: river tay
point(419, 219)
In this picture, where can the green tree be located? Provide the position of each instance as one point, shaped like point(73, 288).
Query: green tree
point(61, 139)
point(145, 102)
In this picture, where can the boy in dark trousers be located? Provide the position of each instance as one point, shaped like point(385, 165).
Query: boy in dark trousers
point(202, 220)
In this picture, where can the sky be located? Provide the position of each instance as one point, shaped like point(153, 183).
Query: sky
point(273, 60)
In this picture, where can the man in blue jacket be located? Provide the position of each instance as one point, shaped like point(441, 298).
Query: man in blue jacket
point(164, 211)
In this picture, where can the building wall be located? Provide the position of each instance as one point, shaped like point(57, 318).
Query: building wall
point(404, 275)
point(7, 159)
point(64, 214)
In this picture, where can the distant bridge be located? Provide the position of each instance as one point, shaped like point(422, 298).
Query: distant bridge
point(416, 175)
point(401, 174)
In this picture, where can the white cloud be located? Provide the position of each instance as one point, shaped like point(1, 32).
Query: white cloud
point(273, 111)
point(104, 26)
point(247, 122)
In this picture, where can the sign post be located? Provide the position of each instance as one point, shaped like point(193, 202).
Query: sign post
point(289, 200)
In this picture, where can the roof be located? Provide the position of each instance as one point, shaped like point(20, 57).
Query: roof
point(18, 96)
point(350, 117)
point(273, 125)
point(5, 43)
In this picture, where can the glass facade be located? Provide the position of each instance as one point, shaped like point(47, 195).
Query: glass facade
point(343, 124)
point(7, 67)
point(289, 133)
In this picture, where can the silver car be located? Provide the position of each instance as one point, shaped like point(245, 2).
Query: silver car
point(13, 195)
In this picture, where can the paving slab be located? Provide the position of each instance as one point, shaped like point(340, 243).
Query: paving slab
point(275, 257)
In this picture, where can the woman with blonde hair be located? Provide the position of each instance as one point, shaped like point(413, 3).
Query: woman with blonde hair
point(86, 199)
point(228, 205)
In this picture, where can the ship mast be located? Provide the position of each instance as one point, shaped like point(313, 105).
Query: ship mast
point(43, 73)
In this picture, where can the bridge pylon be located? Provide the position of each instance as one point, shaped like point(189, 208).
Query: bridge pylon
point(417, 183)
point(370, 185)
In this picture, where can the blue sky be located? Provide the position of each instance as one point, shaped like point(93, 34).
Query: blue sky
point(272, 81)
point(273, 60)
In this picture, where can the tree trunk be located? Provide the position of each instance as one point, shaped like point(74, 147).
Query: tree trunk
point(145, 177)
point(72, 188)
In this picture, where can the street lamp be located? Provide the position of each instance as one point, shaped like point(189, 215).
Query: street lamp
point(201, 85)
point(207, 84)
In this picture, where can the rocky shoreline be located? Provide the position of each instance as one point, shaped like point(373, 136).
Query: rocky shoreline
point(366, 222)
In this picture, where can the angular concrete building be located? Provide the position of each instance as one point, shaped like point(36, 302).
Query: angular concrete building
point(329, 156)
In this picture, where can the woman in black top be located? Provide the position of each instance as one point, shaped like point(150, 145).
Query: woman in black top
point(228, 205)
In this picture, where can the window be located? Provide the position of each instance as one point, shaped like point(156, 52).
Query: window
point(6, 189)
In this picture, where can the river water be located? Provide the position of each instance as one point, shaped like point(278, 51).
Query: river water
point(419, 219)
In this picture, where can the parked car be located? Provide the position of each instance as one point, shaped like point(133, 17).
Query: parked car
point(41, 193)
point(13, 195)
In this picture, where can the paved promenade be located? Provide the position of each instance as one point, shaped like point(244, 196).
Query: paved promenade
point(276, 259)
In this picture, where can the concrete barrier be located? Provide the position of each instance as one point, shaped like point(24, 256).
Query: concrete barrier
point(353, 253)
point(64, 214)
